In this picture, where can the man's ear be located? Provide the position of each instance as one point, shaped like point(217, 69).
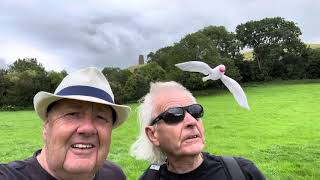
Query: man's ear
point(152, 135)
point(45, 130)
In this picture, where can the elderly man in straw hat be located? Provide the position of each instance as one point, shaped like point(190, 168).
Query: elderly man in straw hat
point(172, 138)
point(78, 120)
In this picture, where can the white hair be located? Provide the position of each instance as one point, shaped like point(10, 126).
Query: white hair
point(143, 148)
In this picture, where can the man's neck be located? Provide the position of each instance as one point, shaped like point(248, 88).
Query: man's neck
point(181, 165)
point(42, 161)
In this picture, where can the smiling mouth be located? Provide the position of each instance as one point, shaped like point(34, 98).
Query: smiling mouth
point(192, 137)
point(82, 146)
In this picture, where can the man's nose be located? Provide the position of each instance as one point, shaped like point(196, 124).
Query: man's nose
point(86, 126)
point(189, 120)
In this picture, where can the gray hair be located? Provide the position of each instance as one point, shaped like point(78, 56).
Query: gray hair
point(142, 148)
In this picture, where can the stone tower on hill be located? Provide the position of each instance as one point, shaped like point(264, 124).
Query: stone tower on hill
point(141, 59)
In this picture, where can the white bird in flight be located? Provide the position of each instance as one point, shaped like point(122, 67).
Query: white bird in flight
point(215, 74)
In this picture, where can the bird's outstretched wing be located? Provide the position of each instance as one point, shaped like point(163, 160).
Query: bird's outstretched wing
point(236, 91)
point(195, 66)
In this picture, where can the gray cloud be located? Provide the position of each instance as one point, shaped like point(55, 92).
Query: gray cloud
point(3, 64)
point(65, 35)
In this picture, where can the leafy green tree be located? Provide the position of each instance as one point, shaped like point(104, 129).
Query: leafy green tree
point(55, 78)
point(21, 65)
point(117, 75)
point(26, 77)
point(294, 67)
point(313, 65)
point(4, 84)
point(23, 87)
point(246, 70)
point(231, 69)
point(226, 42)
point(137, 84)
point(270, 39)
point(152, 72)
point(197, 46)
point(136, 87)
point(110, 71)
point(118, 92)
point(193, 82)
point(117, 79)
point(162, 56)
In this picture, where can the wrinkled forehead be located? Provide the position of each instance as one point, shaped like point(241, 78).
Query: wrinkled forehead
point(64, 104)
point(171, 97)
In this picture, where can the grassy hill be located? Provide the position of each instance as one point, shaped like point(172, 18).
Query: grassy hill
point(314, 46)
point(249, 55)
point(133, 67)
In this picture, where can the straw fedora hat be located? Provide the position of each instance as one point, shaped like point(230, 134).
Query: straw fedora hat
point(87, 84)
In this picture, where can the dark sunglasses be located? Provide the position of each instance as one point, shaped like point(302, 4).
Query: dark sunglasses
point(175, 115)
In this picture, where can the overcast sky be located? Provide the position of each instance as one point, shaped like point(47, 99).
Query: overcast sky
point(74, 34)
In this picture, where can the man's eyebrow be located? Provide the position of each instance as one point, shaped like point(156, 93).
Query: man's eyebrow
point(102, 108)
point(72, 106)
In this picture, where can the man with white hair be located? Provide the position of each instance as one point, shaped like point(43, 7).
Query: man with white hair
point(172, 139)
point(78, 120)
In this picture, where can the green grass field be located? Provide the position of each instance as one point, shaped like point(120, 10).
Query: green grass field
point(281, 132)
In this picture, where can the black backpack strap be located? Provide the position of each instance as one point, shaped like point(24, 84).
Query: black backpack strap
point(233, 168)
point(152, 173)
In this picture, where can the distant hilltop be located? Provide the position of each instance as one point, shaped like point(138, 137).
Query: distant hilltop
point(314, 46)
point(248, 54)
point(140, 63)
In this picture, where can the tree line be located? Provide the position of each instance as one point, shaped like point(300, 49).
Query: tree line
point(278, 53)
